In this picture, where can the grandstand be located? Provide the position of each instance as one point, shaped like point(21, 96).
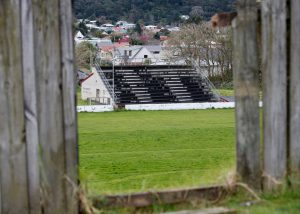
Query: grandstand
point(149, 84)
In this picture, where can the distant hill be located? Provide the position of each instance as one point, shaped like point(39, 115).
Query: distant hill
point(148, 11)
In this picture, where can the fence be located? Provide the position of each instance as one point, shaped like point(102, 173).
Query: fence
point(99, 101)
point(38, 137)
point(273, 27)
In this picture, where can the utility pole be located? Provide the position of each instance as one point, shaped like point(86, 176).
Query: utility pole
point(113, 73)
point(91, 59)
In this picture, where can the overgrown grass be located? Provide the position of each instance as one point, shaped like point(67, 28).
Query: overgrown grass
point(122, 152)
point(230, 93)
point(226, 92)
point(286, 202)
point(80, 102)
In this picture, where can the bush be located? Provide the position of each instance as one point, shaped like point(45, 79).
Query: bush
point(85, 51)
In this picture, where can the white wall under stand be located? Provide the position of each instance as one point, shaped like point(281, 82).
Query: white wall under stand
point(158, 107)
point(180, 106)
point(95, 108)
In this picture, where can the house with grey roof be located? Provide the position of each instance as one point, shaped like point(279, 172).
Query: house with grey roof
point(133, 55)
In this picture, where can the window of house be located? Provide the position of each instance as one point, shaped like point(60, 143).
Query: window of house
point(145, 56)
point(130, 53)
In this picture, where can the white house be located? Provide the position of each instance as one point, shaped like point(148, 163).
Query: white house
point(154, 49)
point(184, 17)
point(152, 28)
point(158, 53)
point(94, 41)
point(106, 27)
point(133, 55)
point(93, 88)
point(173, 29)
point(125, 25)
point(78, 37)
point(130, 26)
point(93, 26)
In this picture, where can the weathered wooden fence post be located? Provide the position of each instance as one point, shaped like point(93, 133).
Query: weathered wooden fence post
point(69, 111)
point(295, 94)
point(281, 92)
point(274, 66)
point(14, 180)
point(247, 93)
point(38, 136)
point(30, 102)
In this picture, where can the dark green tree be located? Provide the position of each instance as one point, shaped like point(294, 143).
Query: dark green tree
point(151, 11)
point(115, 38)
point(134, 41)
point(82, 28)
point(156, 36)
point(138, 29)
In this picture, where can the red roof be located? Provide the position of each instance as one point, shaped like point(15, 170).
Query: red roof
point(86, 78)
point(117, 28)
point(124, 40)
point(163, 38)
point(115, 45)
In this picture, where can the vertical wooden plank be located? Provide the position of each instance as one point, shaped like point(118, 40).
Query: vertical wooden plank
point(295, 94)
point(46, 18)
point(31, 111)
point(70, 118)
point(12, 126)
point(275, 91)
point(247, 93)
point(0, 191)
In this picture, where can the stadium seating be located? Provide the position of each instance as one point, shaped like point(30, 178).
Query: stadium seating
point(158, 84)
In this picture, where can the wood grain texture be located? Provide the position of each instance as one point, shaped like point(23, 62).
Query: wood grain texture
point(295, 94)
point(0, 194)
point(147, 199)
point(0, 191)
point(46, 17)
point(31, 111)
point(274, 14)
point(12, 126)
point(69, 106)
point(247, 93)
point(38, 135)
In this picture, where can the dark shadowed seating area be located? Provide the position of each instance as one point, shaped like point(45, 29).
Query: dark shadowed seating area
point(158, 84)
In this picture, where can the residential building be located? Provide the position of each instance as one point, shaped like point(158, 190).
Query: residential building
point(152, 28)
point(94, 88)
point(133, 55)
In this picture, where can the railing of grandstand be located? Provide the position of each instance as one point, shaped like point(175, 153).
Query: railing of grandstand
point(205, 78)
point(146, 61)
point(106, 83)
point(99, 101)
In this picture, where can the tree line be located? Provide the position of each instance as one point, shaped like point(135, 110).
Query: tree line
point(147, 11)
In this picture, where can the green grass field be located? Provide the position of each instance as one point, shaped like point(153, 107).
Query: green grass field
point(133, 151)
point(226, 92)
